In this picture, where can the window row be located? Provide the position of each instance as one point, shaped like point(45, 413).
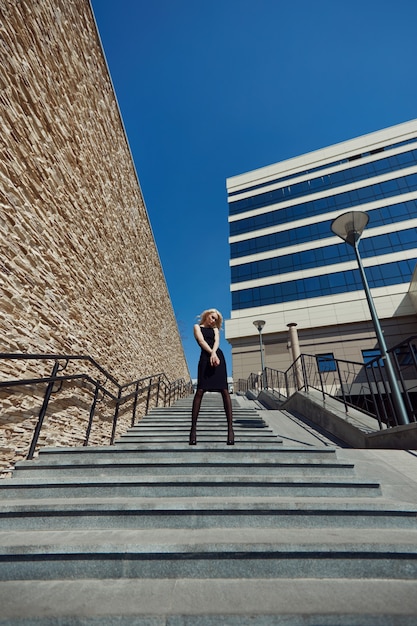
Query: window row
point(319, 168)
point(327, 181)
point(339, 201)
point(327, 362)
point(329, 255)
point(378, 217)
point(382, 275)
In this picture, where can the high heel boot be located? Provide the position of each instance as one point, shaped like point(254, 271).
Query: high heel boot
point(193, 437)
point(194, 415)
point(227, 403)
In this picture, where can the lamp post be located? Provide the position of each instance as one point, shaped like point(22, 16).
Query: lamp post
point(259, 325)
point(349, 227)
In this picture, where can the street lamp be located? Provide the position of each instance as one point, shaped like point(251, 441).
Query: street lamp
point(349, 227)
point(259, 325)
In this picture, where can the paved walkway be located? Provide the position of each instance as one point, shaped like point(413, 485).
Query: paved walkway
point(397, 468)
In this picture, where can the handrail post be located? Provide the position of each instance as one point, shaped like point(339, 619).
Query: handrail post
point(148, 396)
point(91, 417)
point(115, 417)
point(158, 388)
point(320, 379)
point(342, 387)
point(375, 399)
point(304, 371)
point(42, 412)
point(385, 383)
point(135, 404)
point(287, 385)
point(299, 378)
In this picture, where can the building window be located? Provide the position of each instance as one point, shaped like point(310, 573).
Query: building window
point(326, 362)
point(370, 358)
point(406, 355)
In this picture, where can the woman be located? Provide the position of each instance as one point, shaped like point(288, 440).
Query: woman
point(212, 375)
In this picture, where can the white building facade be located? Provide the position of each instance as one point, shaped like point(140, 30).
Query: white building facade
point(287, 267)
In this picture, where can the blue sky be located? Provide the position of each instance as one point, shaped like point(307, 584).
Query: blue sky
point(208, 90)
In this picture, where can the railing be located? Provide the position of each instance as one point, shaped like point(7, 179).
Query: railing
point(357, 385)
point(90, 380)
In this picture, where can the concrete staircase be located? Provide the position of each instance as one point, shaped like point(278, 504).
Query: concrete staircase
point(282, 528)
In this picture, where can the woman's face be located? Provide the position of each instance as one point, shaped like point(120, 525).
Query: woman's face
point(211, 320)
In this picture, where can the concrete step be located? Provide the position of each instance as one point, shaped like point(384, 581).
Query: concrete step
point(40, 469)
point(205, 512)
point(203, 443)
point(185, 413)
point(204, 425)
point(213, 437)
point(208, 553)
point(181, 453)
point(240, 531)
point(207, 426)
point(216, 403)
point(187, 486)
point(186, 407)
point(209, 602)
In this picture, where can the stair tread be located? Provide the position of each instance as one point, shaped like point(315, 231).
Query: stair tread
point(208, 503)
point(227, 600)
point(258, 448)
point(169, 462)
point(194, 479)
point(214, 539)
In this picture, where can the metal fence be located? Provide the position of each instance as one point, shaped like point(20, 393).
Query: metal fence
point(358, 385)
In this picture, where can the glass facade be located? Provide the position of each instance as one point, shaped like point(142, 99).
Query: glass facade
point(283, 210)
point(319, 168)
point(402, 211)
point(340, 201)
point(326, 182)
point(328, 255)
point(325, 285)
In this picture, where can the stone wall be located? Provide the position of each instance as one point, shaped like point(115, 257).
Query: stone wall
point(79, 268)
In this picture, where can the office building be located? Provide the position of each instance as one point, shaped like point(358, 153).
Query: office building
point(287, 266)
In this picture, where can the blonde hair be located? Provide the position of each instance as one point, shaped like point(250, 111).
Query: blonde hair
point(207, 312)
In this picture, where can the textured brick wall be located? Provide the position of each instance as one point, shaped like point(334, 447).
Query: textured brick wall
point(79, 268)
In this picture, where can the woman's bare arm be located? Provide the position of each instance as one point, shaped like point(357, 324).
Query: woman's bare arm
point(214, 359)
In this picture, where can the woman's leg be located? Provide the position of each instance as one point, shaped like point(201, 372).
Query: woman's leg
point(227, 403)
point(198, 396)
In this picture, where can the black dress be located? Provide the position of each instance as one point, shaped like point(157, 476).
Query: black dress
point(211, 378)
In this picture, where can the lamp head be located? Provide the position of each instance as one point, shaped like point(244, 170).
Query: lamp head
point(350, 226)
point(259, 324)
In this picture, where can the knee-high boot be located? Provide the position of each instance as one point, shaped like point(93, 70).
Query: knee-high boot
point(194, 416)
point(227, 403)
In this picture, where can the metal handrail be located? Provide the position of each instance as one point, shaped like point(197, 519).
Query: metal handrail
point(119, 393)
point(356, 385)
